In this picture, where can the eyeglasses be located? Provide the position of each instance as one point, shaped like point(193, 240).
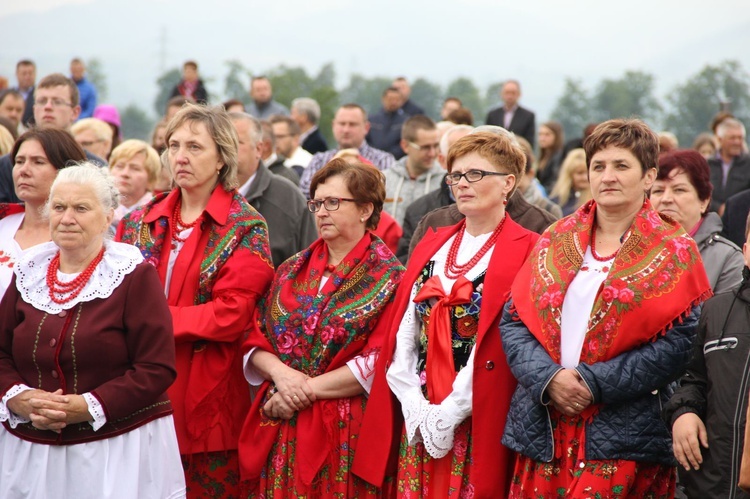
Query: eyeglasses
point(424, 148)
point(331, 204)
point(471, 176)
point(42, 101)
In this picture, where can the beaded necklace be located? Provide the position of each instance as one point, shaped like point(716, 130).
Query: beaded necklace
point(596, 255)
point(72, 288)
point(452, 269)
point(178, 225)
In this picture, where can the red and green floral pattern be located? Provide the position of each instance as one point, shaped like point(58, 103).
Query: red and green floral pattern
point(570, 475)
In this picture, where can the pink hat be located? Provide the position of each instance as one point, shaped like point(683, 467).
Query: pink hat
point(108, 113)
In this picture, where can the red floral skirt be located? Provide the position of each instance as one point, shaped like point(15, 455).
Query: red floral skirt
point(212, 475)
point(570, 475)
point(420, 475)
point(334, 480)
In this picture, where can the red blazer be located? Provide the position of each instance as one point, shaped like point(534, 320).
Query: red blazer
point(223, 269)
point(493, 383)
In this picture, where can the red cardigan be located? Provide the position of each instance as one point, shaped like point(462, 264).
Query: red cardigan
point(493, 383)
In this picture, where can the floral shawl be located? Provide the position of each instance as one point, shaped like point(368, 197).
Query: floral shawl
point(655, 280)
point(148, 227)
point(316, 333)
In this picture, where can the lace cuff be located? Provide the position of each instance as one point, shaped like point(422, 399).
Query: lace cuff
point(415, 409)
point(6, 414)
point(96, 410)
point(438, 428)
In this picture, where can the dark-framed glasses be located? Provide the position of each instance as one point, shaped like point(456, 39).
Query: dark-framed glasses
point(470, 176)
point(331, 204)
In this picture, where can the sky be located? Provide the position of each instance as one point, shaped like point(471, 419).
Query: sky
point(539, 42)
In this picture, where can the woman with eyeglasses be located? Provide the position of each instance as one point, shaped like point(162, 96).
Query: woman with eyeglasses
point(313, 347)
point(444, 363)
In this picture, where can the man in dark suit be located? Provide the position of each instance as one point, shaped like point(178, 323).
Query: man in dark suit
point(730, 170)
point(306, 112)
point(511, 116)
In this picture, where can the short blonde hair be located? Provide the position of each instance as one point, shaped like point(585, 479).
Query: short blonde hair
point(101, 129)
point(132, 147)
point(6, 141)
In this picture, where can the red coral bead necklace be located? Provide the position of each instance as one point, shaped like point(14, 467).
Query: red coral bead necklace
point(58, 290)
point(596, 255)
point(178, 225)
point(452, 269)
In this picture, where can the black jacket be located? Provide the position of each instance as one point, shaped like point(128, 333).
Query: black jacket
point(315, 142)
point(715, 388)
point(736, 209)
point(738, 179)
point(201, 95)
point(290, 224)
point(523, 122)
point(385, 131)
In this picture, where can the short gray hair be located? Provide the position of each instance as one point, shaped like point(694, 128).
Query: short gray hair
point(256, 133)
point(498, 130)
point(447, 136)
point(89, 174)
point(309, 107)
point(727, 124)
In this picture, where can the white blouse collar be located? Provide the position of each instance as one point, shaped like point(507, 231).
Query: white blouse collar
point(31, 275)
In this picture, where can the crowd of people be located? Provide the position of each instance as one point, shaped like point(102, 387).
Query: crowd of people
point(236, 309)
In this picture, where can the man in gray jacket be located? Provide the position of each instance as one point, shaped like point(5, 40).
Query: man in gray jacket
point(417, 173)
point(290, 225)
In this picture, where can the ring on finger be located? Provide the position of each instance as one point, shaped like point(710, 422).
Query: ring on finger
point(578, 406)
point(295, 397)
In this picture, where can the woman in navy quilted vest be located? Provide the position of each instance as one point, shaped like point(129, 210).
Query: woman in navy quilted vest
point(601, 322)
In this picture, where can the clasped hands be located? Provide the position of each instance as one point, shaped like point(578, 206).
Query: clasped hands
point(569, 393)
point(293, 393)
point(50, 410)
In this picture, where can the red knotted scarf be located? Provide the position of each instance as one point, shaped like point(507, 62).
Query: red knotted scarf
point(440, 369)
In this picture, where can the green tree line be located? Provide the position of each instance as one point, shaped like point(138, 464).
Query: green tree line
point(686, 110)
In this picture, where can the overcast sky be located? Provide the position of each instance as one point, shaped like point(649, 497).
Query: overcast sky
point(539, 42)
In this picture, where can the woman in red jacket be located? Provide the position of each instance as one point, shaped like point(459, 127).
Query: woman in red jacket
point(444, 361)
point(211, 250)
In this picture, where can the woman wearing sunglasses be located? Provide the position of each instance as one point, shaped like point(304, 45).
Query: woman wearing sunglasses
point(447, 369)
point(313, 347)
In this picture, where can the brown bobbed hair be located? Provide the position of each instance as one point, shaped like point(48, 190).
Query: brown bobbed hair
point(502, 152)
point(60, 147)
point(631, 134)
point(693, 164)
point(364, 181)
